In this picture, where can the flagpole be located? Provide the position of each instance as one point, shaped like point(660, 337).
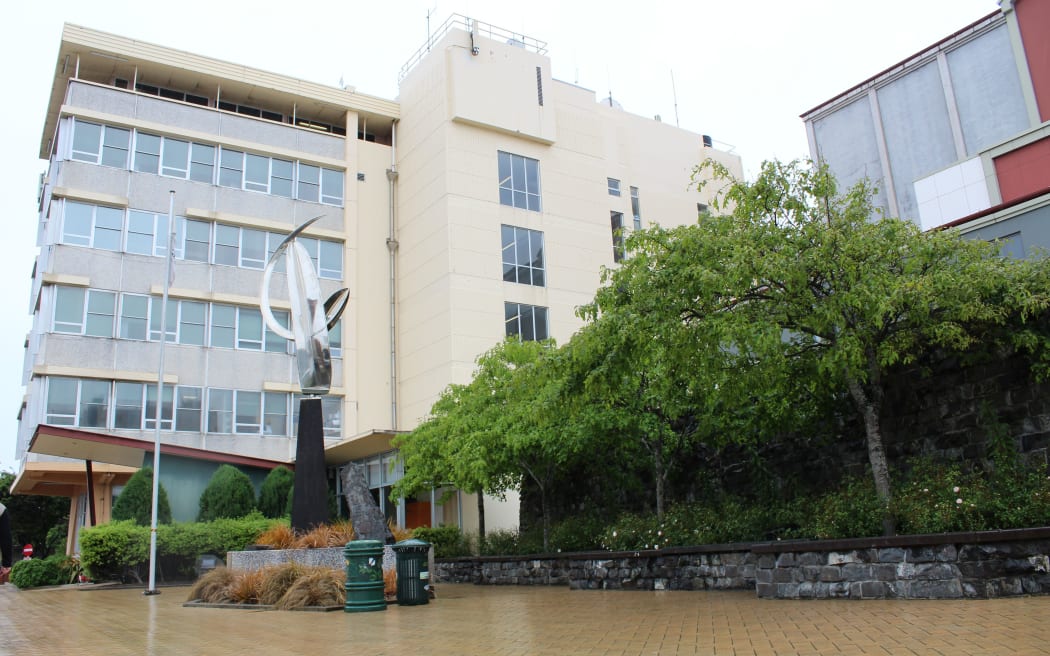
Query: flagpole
point(169, 270)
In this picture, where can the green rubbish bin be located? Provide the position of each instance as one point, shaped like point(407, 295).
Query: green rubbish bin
point(413, 572)
point(364, 576)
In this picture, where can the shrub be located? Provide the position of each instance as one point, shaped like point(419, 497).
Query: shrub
point(121, 549)
point(36, 572)
point(275, 491)
point(502, 542)
point(109, 551)
point(318, 586)
point(278, 536)
point(937, 498)
point(136, 500)
point(277, 580)
point(246, 587)
point(448, 541)
point(229, 495)
point(852, 510)
point(213, 586)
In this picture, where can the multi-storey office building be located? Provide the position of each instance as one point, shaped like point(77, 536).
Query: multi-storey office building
point(958, 134)
point(481, 204)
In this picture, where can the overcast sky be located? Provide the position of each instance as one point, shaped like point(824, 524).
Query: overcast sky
point(743, 71)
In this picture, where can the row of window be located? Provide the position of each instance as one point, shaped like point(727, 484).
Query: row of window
point(90, 403)
point(149, 153)
point(95, 313)
point(636, 208)
point(146, 233)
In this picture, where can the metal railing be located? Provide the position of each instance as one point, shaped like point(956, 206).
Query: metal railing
point(478, 28)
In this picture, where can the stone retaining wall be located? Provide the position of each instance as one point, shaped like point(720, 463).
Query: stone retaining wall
point(942, 566)
point(326, 557)
point(710, 567)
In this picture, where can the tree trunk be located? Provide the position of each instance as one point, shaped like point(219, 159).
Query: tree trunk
point(481, 520)
point(870, 406)
point(661, 475)
point(545, 506)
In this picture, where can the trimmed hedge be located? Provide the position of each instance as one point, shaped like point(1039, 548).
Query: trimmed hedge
point(120, 550)
point(136, 500)
point(276, 491)
point(229, 494)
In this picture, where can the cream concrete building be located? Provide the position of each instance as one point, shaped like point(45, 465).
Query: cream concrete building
point(481, 203)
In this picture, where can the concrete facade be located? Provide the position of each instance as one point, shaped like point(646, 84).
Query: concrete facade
point(419, 197)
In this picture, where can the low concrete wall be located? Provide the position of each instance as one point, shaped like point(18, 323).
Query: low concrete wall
point(942, 566)
point(326, 557)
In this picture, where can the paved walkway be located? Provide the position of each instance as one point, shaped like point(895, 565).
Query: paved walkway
point(467, 619)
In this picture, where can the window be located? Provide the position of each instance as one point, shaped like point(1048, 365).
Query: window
point(70, 315)
point(176, 158)
point(223, 323)
point(171, 319)
point(275, 413)
point(231, 168)
point(198, 241)
point(701, 210)
point(147, 153)
point(331, 187)
point(636, 209)
point(309, 182)
point(93, 405)
point(100, 313)
point(281, 178)
point(128, 404)
point(248, 417)
point(227, 245)
point(253, 248)
point(526, 322)
point(249, 329)
point(188, 404)
point(274, 343)
point(330, 260)
point(115, 143)
point(166, 409)
point(614, 186)
point(86, 139)
point(133, 314)
point(191, 322)
point(141, 231)
point(332, 416)
point(616, 221)
point(202, 163)
point(61, 408)
point(220, 411)
point(78, 223)
point(522, 256)
point(257, 173)
point(519, 181)
point(69, 310)
point(335, 337)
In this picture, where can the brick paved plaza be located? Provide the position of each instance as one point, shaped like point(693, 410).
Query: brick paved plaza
point(468, 619)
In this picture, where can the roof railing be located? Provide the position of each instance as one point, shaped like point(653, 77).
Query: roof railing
point(467, 24)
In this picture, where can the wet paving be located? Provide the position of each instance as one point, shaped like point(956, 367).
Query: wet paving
point(467, 619)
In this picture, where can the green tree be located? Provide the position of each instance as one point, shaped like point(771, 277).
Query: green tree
point(275, 492)
point(229, 494)
point(136, 500)
point(32, 516)
point(796, 284)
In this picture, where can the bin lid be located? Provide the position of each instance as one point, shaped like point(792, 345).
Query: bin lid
point(412, 544)
point(364, 545)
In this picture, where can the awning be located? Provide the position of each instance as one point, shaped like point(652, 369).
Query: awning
point(65, 479)
point(360, 446)
point(127, 451)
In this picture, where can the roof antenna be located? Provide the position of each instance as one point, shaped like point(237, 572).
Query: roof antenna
point(674, 93)
point(429, 13)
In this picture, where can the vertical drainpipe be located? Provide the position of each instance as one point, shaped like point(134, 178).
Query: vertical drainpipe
point(391, 244)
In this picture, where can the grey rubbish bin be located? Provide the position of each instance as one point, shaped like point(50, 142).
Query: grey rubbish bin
point(413, 572)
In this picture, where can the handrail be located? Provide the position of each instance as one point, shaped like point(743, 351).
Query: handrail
point(467, 24)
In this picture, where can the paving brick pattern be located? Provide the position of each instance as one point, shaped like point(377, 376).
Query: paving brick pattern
point(512, 620)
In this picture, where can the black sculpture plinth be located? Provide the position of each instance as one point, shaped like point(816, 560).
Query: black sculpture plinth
point(310, 491)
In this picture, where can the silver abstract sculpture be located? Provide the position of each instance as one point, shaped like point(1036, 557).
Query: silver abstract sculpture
point(310, 320)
